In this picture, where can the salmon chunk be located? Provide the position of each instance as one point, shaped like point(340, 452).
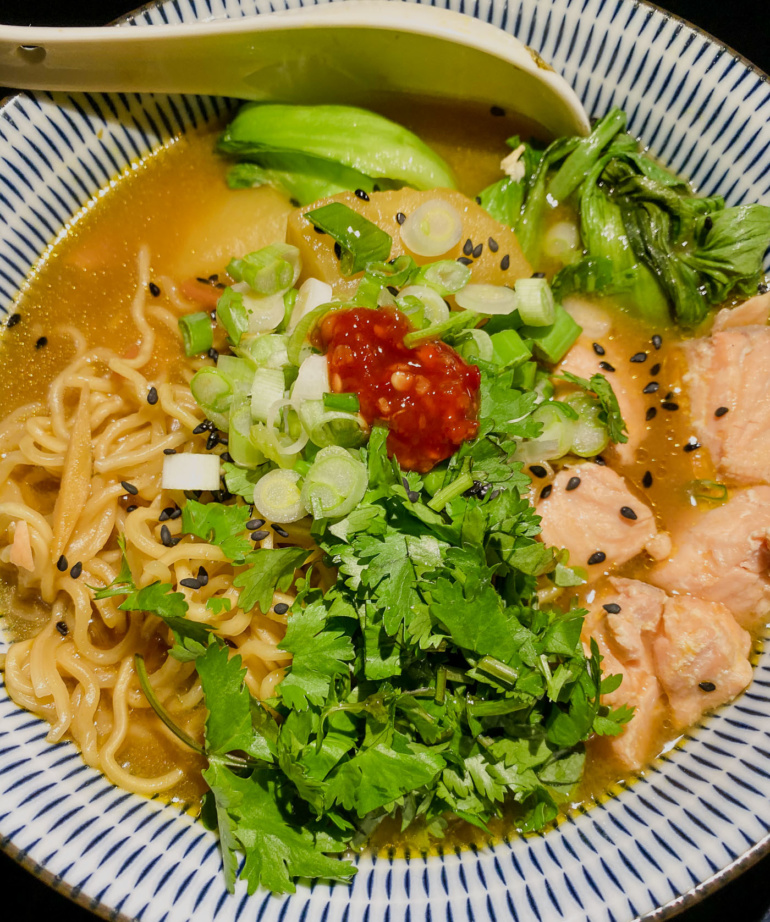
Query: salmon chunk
point(754, 312)
point(722, 555)
point(729, 386)
point(701, 657)
point(633, 627)
point(591, 512)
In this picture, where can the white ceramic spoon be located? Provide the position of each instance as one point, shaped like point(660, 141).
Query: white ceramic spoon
point(346, 52)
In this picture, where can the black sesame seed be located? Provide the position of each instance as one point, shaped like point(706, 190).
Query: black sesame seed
point(165, 536)
point(362, 195)
point(612, 607)
point(493, 245)
point(203, 576)
point(651, 388)
point(670, 405)
point(254, 524)
point(497, 111)
point(212, 441)
point(281, 608)
point(477, 250)
point(639, 357)
point(213, 354)
point(213, 315)
point(647, 480)
point(259, 535)
point(546, 491)
point(190, 583)
point(400, 217)
point(597, 557)
point(338, 251)
point(538, 275)
point(214, 277)
point(61, 627)
point(129, 487)
point(478, 199)
point(230, 643)
point(131, 508)
point(468, 247)
point(669, 395)
point(280, 531)
point(600, 461)
point(605, 366)
point(205, 426)
point(405, 483)
point(538, 470)
point(154, 290)
point(226, 456)
point(691, 446)
point(763, 288)
point(176, 513)
point(43, 341)
point(76, 570)
point(318, 230)
point(169, 451)
point(376, 188)
point(61, 564)
point(573, 483)
point(505, 262)
point(598, 349)
point(655, 369)
point(720, 411)
point(413, 496)
point(657, 341)
point(166, 513)
point(152, 396)
point(628, 513)
point(707, 686)
point(294, 202)
point(463, 260)
point(13, 320)
point(393, 290)
point(202, 280)
point(708, 223)
point(651, 414)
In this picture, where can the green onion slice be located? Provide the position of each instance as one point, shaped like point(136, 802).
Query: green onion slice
point(487, 299)
point(271, 270)
point(534, 300)
point(362, 242)
point(211, 389)
point(332, 427)
point(347, 403)
point(335, 484)
point(435, 307)
point(446, 276)
point(432, 229)
point(710, 490)
point(277, 497)
point(232, 314)
point(239, 445)
point(197, 335)
point(267, 389)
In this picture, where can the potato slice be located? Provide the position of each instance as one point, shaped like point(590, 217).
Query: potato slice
point(319, 261)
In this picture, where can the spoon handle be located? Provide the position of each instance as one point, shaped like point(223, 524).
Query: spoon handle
point(352, 53)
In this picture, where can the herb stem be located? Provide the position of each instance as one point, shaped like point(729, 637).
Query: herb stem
point(440, 686)
point(446, 494)
point(498, 669)
point(149, 694)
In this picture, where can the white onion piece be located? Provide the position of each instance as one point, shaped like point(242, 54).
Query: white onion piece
point(312, 294)
point(277, 497)
point(265, 313)
point(436, 308)
point(189, 471)
point(487, 299)
point(273, 413)
point(312, 380)
point(433, 229)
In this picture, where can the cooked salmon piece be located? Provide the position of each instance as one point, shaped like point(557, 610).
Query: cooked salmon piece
point(728, 381)
point(591, 512)
point(633, 627)
point(754, 312)
point(701, 657)
point(722, 555)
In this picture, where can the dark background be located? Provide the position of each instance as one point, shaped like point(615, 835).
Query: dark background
point(742, 24)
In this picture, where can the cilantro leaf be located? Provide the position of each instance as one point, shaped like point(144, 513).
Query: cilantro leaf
point(268, 569)
point(240, 480)
point(123, 582)
point(191, 637)
point(223, 526)
point(320, 654)
point(276, 851)
point(610, 413)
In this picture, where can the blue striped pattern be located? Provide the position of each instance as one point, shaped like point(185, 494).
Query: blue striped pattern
point(697, 813)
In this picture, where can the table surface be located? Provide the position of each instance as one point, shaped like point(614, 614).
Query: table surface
point(742, 24)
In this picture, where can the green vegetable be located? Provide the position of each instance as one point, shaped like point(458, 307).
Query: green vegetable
point(509, 349)
point(335, 483)
point(269, 270)
point(446, 276)
point(211, 389)
point(232, 314)
point(551, 343)
point(197, 335)
point(534, 302)
point(610, 414)
point(347, 403)
point(361, 241)
point(341, 135)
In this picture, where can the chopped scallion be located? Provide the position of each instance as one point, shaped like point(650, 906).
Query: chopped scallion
point(277, 497)
point(362, 242)
point(268, 271)
point(487, 299)
point(335, 484)
point(347, 403)
point(509, 349)
point(197, 334)
point(446, 276)
point(232, 314)
point(460, 320)
point(552, 343)
point(432, 229)
point(211, 389)
point(534, 300)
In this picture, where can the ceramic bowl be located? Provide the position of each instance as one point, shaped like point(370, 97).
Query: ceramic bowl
point(692, 820)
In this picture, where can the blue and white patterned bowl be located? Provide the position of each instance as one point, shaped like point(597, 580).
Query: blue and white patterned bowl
point(695, 818)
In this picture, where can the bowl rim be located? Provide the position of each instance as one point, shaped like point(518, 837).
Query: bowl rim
point(668, 910)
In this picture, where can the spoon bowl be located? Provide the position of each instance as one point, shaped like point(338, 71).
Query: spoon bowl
point(341, 52)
